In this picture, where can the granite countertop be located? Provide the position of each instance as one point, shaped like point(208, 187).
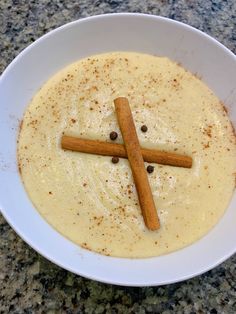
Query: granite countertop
point(31, 284)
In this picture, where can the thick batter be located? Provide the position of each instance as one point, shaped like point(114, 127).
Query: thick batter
point(92, 201)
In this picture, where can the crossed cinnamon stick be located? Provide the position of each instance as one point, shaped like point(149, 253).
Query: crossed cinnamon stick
point(118, 150)
point(136, 155)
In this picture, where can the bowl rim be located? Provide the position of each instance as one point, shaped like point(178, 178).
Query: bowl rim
point(50, 257)
point(107, 15)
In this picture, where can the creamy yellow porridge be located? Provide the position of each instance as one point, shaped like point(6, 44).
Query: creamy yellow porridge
point(91, 200)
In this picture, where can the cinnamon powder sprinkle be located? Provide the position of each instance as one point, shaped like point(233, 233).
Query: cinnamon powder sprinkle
point(111, 192)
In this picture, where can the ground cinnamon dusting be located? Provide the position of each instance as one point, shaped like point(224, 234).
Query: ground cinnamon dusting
point(157, 97)
point(19, 168)
point(20, 125)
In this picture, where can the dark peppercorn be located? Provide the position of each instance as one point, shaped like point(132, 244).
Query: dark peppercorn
point(144, 128)
point(150, 169)
point(115, 160)
point(113, 135)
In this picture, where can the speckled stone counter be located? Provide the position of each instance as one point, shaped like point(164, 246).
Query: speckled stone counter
point(31, 284)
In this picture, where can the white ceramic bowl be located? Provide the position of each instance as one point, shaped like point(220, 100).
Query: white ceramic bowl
point(135, 32)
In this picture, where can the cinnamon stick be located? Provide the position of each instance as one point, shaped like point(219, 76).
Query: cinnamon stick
point(135, 157)
point(118, 150)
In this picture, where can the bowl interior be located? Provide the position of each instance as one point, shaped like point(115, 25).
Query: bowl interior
point(116, 32)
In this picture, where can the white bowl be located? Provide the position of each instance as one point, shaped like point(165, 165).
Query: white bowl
point(198, 52)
